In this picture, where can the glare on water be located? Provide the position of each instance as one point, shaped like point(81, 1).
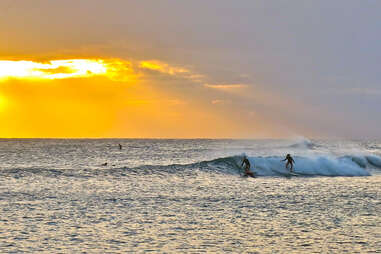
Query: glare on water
point(188, 209)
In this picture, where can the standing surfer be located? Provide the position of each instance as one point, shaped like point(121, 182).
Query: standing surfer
point(290, 161)
point(246, 162)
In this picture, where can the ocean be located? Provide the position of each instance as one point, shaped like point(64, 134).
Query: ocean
point(189, 196)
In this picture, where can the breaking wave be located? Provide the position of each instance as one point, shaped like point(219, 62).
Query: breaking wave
point(262, 166)
point(304, 144)
point(274, 166)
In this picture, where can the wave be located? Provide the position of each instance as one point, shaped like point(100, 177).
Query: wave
point(273, 166)
point(304, 144)
point(313, 166)
point(350, 165)
point(374, 161)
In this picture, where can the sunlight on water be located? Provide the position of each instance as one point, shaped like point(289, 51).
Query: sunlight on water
point(184, 208)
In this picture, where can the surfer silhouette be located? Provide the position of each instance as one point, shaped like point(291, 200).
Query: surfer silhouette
point(120, 146)
point(246, 162)
point(290, 162)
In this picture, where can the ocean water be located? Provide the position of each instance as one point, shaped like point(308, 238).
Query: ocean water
point(188, 196)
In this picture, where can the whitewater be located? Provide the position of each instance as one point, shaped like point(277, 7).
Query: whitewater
point(189, 196)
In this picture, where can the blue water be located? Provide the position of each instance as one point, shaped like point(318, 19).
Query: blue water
point(58, 196)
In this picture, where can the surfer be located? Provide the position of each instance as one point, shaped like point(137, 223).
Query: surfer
point(246, 162)
point(290, 161)
point(120, 146)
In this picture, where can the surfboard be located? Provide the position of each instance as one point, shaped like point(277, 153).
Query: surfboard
point(286, 173)
point(250, 175)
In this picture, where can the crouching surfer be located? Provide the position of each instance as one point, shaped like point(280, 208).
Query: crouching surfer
point(290, 162)
point(246, 162)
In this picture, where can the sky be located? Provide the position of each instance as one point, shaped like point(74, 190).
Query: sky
point(190, 69)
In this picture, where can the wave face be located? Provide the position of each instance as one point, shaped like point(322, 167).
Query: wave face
point(304, 166)
point(312, 166)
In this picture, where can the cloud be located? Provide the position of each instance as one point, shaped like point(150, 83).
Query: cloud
point(60, 69)
point(171, 70)
point(226, 87)
point(121, 70)
point(114, 69)
point(55, 69)
point(221, 102)
point(159, 66)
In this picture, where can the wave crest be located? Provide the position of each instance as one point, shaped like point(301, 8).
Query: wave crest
point(305, 166)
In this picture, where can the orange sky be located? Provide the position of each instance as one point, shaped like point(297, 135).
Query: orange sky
point(114, 98)
point(187, 69)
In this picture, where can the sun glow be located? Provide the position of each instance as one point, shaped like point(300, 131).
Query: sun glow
point(55, 69)
point(108, 97)
point(2, 103)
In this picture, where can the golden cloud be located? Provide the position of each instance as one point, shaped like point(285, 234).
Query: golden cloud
point(159, 66)
point(114, 69)
point(174, 71)
point(226, 87)
point(55, 69)
point(221, 102)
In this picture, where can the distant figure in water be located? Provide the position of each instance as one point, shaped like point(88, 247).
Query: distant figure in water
point(290, 162)
point(246, 162)
point(120, 146)
point(104, 164)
